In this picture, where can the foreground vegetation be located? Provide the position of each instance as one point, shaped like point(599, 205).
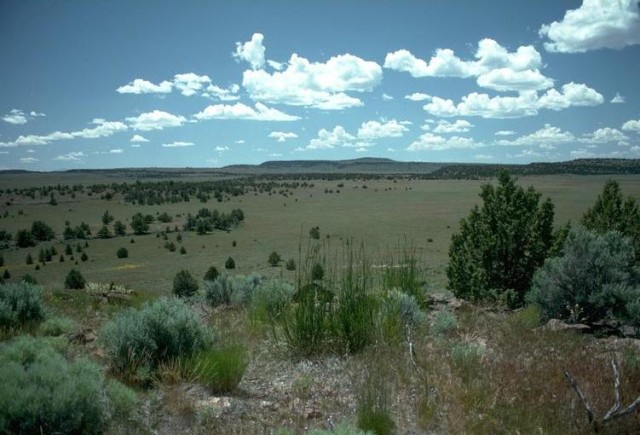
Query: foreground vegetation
point(320, 330)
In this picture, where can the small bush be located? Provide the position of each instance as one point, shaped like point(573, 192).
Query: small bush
point(596, 279)
point(41, 392)
point(230, 263)
point(373, 413)
point(211, 274)
point(314, 233)
point(274, 259)
point(20, 304)
point(56, 326)
point(122, 253)
point(28, 279)
point(84, 257)
point(317, 272)
point(291, 264)
point(270, 300)
point(243, 289)
point(183, 250)
point(29, 258)
point(220, 369)
point(184, 285)
point(466, 358)
point(24, 239)
point(444, 322)
point(123, 401)
point(398, 311)
point(74, 280)
point(137, 341)
point(218, 292)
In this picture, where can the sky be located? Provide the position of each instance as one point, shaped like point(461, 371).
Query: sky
point(156, 83)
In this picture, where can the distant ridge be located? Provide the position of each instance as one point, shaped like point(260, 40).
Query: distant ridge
point(366, 166)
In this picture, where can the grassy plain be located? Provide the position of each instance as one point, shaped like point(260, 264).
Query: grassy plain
point(481, 372)
point(383, 215)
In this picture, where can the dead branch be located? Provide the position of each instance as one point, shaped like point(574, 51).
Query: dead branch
point(615, 410)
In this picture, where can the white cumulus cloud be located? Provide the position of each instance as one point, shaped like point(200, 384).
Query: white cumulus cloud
point(459, 126)
point(330, 139)
point(372, 130)
point(155, 120)
point(547, 137)
point(314, 84)
point(190, 84)
point(282, 136)
point(138, 138)
point(251, 51)
point(494, 66)
point(18, 117)
point(241, 111)
point(418, 96)
point(432, 142)
point(617, 99)
point(74, 156)
point(605, 135)
point(177, 144)
point(632, 125)
point(141, 86)
point(594, 25)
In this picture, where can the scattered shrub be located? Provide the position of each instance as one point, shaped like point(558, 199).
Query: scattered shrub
point(500, 245)
point(123, 401)
point(243, 289)
point(314, 233)
point(596, 279)
point(68, 250)
point(20, 304)
point(230, 263)
point(612, 213)
point(211, 274)
point(317, 272)
point(29, 279)
point(398, 311)
point(104, 232)
point(291, 264)
point(74, 280)
point(41, 392)
point(122, 253)
point(184, 285)
point(404, 274)
point(29, 259)
point(137, 341)
point(119, 228)
point(274, 259)
point(42, 231)
point(6, 274)
point(373, 407)
point(218, 291)
point(183, 250)
point(24, 239)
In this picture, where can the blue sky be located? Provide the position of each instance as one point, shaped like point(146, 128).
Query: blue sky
point(103, 84)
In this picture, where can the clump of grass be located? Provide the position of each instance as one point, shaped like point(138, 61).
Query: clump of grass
point(373, 407)
point(398, 311)
point(270, 300)
point(466, 358)
point(405, 274)
point(220, 369)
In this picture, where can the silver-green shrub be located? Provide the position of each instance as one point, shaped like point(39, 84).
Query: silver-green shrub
point(41, 392)
point(137, 341)
point(20, 304)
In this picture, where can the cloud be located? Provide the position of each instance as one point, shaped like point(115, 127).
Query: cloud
point(594, 25)
point(135, 145)
point(546, 137)
point(138, 138)
point(190, 84)
point(494, 66)
point(74, 156)
point(459, 126)
point(632, 125)
point(314, 84)
point(251, 51)
point(330, 139)
point(525, 104)
point(28, 160)
point(116, 151)
point(605, 135)
point(373, 130)
point(432, 142)
point(240, 141)
point(483, 157)
point(18, 117)
point(418, 96)
point(217, 93)
point(155, 120)
point(504, 133)
point(282, 136)
point(221, 148)
point(103, 129)
point(275, 65)
point(617, 99)
point(177, 144)
point(241, 111)
point(141, 86)
point(387, 97)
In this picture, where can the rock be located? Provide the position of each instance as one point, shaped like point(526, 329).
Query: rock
point(558, 325)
